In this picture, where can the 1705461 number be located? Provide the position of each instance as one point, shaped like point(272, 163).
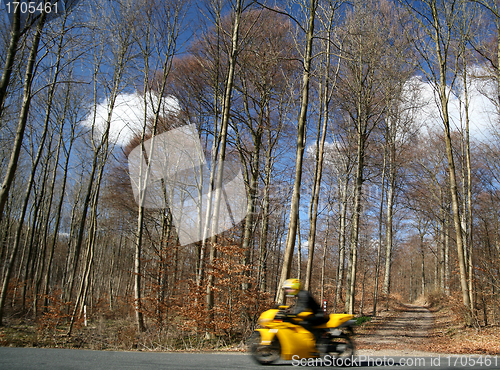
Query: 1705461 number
point(469, 361)
point(31, 7)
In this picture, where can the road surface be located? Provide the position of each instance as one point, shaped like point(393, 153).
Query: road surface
point(47, 358)
point(410, 329)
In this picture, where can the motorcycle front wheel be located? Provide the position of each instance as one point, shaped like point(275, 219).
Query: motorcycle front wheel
point(264, 354)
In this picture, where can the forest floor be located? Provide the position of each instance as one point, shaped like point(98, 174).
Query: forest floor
point(413, 329)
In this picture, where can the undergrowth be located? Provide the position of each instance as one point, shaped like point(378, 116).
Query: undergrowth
point(112, 334)
point(457, 330)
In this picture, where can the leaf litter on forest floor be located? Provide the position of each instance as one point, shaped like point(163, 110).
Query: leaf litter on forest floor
point(427, 329)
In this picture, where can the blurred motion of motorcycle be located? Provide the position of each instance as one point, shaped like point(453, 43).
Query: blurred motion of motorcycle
point(282, 336)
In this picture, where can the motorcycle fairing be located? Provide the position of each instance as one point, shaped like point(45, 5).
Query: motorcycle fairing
point(336, 319)
point(268, 316)
point(294, 341)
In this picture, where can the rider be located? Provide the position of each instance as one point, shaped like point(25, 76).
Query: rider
point(305, 302)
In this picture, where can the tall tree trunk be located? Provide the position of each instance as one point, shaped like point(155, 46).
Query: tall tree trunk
point(447, 254)
point(318, 173)
point(200, 273)
point(422, 266)
point(61, 134)
point(139, 317)
point(323, 262)
point(362, 303)
point(45, 229)
point(325, 96)
point(263, 248)
point(252, 199)
point(339, 279)
point(48, 272)
point(353, 256)
point(299, 253)
point(468, 181)
point(411, 281)
point(29, 246)
point(442, 214)
point(215, 149)
point(379, 246)
point(443, 96)
point(389, 227)
point(301, 133)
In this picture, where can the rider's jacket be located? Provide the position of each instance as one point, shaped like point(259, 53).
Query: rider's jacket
point(305, 301)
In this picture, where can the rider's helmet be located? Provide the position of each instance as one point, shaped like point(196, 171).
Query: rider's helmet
point(292, 287)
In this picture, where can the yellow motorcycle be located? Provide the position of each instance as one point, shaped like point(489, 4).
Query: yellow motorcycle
point(282, 336)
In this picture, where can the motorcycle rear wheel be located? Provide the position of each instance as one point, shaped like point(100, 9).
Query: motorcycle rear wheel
point(340, 346)
point(264, 354)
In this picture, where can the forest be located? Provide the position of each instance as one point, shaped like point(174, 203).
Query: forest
point(366, 133)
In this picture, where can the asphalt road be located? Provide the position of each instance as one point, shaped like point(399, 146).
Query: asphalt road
point(46, 358)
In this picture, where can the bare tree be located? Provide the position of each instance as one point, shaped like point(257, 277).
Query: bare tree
point(265, 64)
point(327, 85)
point(301, 130)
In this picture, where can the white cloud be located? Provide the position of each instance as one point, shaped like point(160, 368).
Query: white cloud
point(482, 112)
point(128, 116)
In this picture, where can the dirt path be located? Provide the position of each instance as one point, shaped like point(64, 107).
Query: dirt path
point(409, 330)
